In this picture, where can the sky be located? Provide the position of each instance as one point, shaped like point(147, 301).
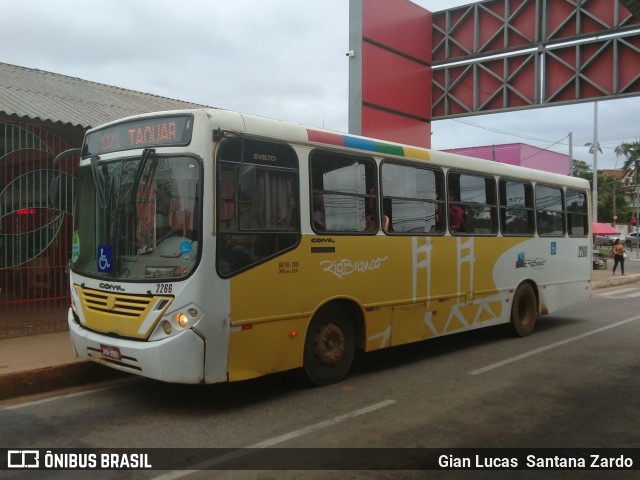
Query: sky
point(283, 59)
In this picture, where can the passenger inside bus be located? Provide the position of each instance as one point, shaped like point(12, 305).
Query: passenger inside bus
point(372, 223)
point(319, 217)
point(457, 215)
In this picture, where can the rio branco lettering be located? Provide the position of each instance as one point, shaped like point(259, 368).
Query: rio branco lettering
point(344, 267)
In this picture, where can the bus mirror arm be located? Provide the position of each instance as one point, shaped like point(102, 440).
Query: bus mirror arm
point(218, 134)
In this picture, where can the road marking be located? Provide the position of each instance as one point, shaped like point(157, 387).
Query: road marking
point(274, 441)
point(620, 293)
point(522, 356)
point(617, 291)
point(110, 384)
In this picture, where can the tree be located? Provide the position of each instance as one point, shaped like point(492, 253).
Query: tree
point(633, 6)
point(612, 200)
point(580, 169)
point(631, 152)
point(592, 147)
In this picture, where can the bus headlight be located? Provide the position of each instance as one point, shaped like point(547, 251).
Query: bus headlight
point(181, 320)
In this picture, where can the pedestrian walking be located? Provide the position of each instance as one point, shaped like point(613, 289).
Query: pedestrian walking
point(618, 255)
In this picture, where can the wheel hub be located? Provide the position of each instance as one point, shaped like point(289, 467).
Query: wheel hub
point(329, 344)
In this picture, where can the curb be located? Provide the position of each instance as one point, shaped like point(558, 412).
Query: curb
point(18, 384)
point(614, 281)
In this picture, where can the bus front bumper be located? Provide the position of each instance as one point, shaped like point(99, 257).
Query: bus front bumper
point(176, 359)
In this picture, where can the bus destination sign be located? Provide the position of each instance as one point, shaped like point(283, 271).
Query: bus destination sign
point(151, 132)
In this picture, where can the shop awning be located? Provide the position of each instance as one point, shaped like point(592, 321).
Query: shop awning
point(603, 229)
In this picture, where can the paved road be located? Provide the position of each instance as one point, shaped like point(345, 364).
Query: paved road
point(573, 383)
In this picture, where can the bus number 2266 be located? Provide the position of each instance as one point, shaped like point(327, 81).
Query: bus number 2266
point(164, 288)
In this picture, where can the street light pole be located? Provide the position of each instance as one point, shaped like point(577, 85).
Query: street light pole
point(637, 205)
point(596, 146)
point(636, 200)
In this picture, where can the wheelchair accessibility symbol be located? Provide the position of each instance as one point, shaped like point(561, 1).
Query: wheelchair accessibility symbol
point(105, 258)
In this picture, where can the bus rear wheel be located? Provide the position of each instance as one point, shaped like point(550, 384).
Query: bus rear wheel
point(330, 346)
point(524, 310)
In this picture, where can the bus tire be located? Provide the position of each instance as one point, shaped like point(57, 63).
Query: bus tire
point(329, 347)
point(524, 310)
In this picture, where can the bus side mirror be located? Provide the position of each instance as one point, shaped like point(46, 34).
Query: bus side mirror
point(60, 193)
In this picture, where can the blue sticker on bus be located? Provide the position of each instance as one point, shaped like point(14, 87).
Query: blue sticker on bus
point(185, 247)
point(554, 248)
point(105, 258)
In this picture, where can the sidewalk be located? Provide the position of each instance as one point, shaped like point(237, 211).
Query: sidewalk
point(41, 363)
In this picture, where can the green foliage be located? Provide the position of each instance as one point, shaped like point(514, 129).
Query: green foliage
point(612, 201)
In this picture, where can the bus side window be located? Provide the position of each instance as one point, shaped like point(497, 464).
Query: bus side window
point(516, 208)
point(343, 193)
point(550, 213)
point(577, 213)
point(472, 204)
point(412, 198)
point(257, 203)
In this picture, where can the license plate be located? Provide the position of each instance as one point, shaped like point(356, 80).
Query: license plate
point(110, 352)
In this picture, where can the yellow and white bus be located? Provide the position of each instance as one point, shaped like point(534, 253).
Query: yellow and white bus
point(213, 246)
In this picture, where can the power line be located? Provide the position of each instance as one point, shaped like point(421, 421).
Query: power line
point(500, 131)
point(577, 142)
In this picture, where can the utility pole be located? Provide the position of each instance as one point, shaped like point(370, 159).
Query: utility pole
point(615, 217)
point(636, 199)
point(596, 146)
point(637, 205)
point(571, 154)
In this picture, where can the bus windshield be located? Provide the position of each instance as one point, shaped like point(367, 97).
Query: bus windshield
point(138, 218)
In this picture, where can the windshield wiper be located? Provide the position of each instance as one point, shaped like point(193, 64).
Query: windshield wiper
point(146, 153)
point(98, 182)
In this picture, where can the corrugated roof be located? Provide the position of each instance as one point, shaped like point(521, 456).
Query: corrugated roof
point(47, 96)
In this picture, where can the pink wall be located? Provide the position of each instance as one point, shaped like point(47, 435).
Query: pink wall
point(519, 154)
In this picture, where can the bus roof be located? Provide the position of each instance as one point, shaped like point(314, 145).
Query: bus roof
point(300, 134)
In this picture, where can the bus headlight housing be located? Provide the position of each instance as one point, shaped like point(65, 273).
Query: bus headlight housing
point(172, 323)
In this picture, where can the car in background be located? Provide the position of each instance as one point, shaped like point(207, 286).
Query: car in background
point(609, 239)
point(631, 240)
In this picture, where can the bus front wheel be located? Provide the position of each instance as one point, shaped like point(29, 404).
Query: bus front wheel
point(524, 310)
point(329, 347)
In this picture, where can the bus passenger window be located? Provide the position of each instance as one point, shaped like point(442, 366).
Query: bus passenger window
point(577, 213)
point(412, 199)
point(550, 214)
point(516, 208)
point(344, 193)
point(474, 195)
point(257, 204)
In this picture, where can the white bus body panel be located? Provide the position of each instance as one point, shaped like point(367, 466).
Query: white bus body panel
point(178, 359)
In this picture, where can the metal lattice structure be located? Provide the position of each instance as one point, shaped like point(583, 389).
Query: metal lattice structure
point(35, 229)
point(501, 55)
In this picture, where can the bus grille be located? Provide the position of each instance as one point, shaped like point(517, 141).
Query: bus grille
point(127, 305)
point(120, 314)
